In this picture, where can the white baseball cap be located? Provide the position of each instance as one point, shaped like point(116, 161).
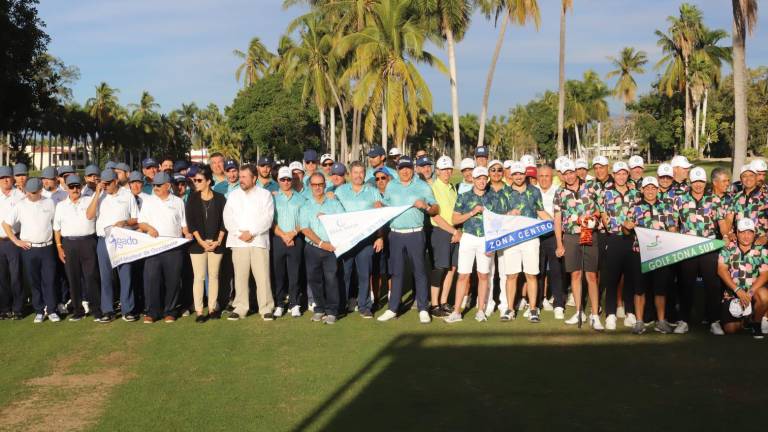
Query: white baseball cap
point(745, 168)
point(698, 174)
point(663, 170)
point(444, 162)
point(620, 165)
point(326, 157)
point(528, 160)
point(636, 161)
point(394, 151)
point(508, 163)
point(495, 162)
point(745, 224)
point(567, 165)
point(479, 172)
point(581, 163)
point(467, 163)
point(296, 166)
point(284, 172)
point(681, 162)
point(517, 168)
point(737, 310)
point(650, 180)
point(599, 160)
point(759, 165)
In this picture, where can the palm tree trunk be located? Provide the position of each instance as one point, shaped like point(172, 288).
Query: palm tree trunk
point(384, 124)
point(696, 129)
point(739, 85)
point(332, 112)
point(355, 138)
point(704, 114)
point(599, 133)
point(323, 134)
point(454, 93)
point(688, 117)
point(489, 79)
point(578, 140)
point(561, 87)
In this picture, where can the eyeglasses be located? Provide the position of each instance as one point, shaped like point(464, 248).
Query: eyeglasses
point(317, 184)
point(496, 170)
point(328, 164)
point(382, 178)
point(197, 180)
point(285, 179)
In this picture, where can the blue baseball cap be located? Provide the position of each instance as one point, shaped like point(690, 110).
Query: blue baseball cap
point(404, 162)
point(49, 173)
point(338, 169)
point(6, 171)
point(20, 169)
point(110, 165)
point(180, 165)
point(377, 151)
point(178, 178)
point(33, 185)
point(135, 176)
point(481, 152)
point(424, 161)
point(122, 166)
point(161, 178)
point(92, 170)
point(148, 162)
point(73, 180)
point(382, 170)
point(193, 170)
point(265, 160)
point(108, 175)
point(230, 164)
point(310, 155)
point(66, 169)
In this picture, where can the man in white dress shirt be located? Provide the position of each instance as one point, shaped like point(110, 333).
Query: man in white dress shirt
point(11, 291)
point(248, 217)
point(162, 215)
point(113, 206)
point(34, 217)
point(75, 235)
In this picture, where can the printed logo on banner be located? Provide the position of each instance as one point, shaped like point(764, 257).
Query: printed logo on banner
point(345, 230)
point(504, 231)
point(661, 248)
point(124, 246)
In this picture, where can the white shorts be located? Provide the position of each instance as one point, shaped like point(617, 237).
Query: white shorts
point(522, 258)
point(471, 249)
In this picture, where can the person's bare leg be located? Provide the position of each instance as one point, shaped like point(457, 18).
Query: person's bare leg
point(462, 284)
point(532, 290)
point(482, 290)
point(447, 284)
point(576, 288)
point(760, 305)
point(594, 293)
point(661, 303)
point(510, 286)
point(434, 295)
point(639, 306)
point(733, 327)
point(619, 291)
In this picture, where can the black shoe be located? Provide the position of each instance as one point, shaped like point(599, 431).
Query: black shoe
point(105, 319)
point(366, 314)
point(17, 316)
point(269, 316)
point(757, 332)
point(446, 308)
point(201, 319)
point(437, 311)
point(75, 317)
point(534, 316)
point(214, 315)
point(233, 316)
point(130, 318)
point(4, 316)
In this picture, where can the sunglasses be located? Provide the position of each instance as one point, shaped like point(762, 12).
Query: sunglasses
point(284, 179)
point(157, 186)
point(75, 186)
point(381, 178)
point(327, 164)
point(197, 180)
point(310, 162)
point(317, 184)
point(496, 170)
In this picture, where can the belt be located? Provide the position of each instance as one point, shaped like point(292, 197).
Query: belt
point(85, 237)
point(407, 230)
point(40, 245)
point(4, 238)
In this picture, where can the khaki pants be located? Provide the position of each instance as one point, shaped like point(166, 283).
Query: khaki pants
point(202, 264)
point(246, 261)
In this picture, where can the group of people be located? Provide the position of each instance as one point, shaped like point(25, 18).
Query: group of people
point(261, 220)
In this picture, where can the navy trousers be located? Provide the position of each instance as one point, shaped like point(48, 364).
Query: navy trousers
point(286, 262)
point(11, 290)
point(322, 278)
point(39, 265)
point(127, 302)
point(404, 247)
point(359, 261)
point(162, 279)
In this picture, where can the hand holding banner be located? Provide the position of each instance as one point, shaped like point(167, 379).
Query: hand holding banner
point(124, 246)
point(346, 230)
point(663, 248)
point(503, 231)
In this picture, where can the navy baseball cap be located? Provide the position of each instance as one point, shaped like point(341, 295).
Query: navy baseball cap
point(92, 170)
point(338, 169)
point(66, 169)
point(122, 166)
point(310, 155)
point(135, 176)
point(20, 169)
point(424, 161)
point(108, 175)
point(230, 164)
point(49, 173)
point(6, 171)
point(265, 160)
point(110, 165)
point(73, 180)
point(405, 161)
point(376, 152)
point(382, 170)
point(481, 152)
point(148, 162)
point(178, 178)
point(180, 165)
point(193, 170)
point(33, 185)
point(161, 178)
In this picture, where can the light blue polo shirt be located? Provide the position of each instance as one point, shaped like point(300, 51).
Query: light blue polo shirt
point(287, 210)
point(309, 211)
point(271, 186)
point(225, 188)
point(356, 201)
point(398, 194)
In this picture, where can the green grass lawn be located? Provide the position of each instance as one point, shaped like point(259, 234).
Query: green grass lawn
point(293, 374)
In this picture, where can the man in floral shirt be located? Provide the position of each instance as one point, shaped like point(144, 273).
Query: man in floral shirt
point(614, 204)
point(659, 214)
point(751, 203)
point(700, 214)
point(743, 268)
point(575, 207)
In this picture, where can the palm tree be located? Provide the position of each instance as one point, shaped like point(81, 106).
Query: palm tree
point(388, 81)
point(705, 70)
point(628, 62)
point(565, 5)
point(103, 108)
point(744, 21)
point(519, 11)
point(256, 63)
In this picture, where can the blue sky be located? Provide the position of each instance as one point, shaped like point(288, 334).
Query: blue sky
point(181, 50)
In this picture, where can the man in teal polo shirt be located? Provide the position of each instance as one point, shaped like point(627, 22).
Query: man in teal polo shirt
point(265, 181)
point(358, 196)
point(232, 173)
point(287, 244)
point(322, 264)
point(377, 157)
point(406, 237)
point(149, 168)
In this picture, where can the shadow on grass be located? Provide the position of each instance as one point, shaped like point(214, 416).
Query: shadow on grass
point(546, 381)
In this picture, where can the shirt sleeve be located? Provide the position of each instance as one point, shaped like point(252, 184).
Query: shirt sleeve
point(460, 206)
point(182, 213)
point(230, 221)
point(556, 203)
point(429, 197)
point(57, 218)
point(304, 217)
point(539, 201)
point(264, 222)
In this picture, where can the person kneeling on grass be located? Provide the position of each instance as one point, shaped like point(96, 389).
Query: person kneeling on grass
point(743, 267)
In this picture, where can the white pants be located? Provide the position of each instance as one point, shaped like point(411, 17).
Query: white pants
point(522, 258)
point(471, 250)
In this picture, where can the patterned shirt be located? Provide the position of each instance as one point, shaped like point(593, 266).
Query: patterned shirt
point(700, 217)
point(495, 202)
point(753, 205)
point(679, 188)
point(529, 202)
point(659, 216)
point(573, 205)
point(616, 205)
point(744, 267)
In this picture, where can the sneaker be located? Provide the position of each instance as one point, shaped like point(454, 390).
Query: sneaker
point(234, 316)
point(757, 332)
point(764, 325)
point(329, 319)
point(311, 307)
point(630, 320)
point(438, 312)
point(480, 316)
point(534, 316)
point(16, 316)
point(638, 328)
point(366, 314)
point(201, 318)
point(527, 312)
point(523, 303)
point(594, 322)
point(682, 327)
point(148, 319)
point(454, 317)
point(86, 307)
point(386, 316)
point(546, 305)
point(75, 317)
point(186, 313)
point(296, 311)
point(620, 312)
point(508, 315)
point(610, 322)
point(169, 319)
point(575, 318)
point(490, 307)
point(269, 316)
point(571, 301)
point(129, 318)
point(54, 317)
point(663, 327)
point(278, 312)
point(214, 315)
point(424, 317)
point(61, 308)
point(105, 319)
point(317, 316)
point(716, 329)
point(446, 308)
point(559, 313)
point(39, 318)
